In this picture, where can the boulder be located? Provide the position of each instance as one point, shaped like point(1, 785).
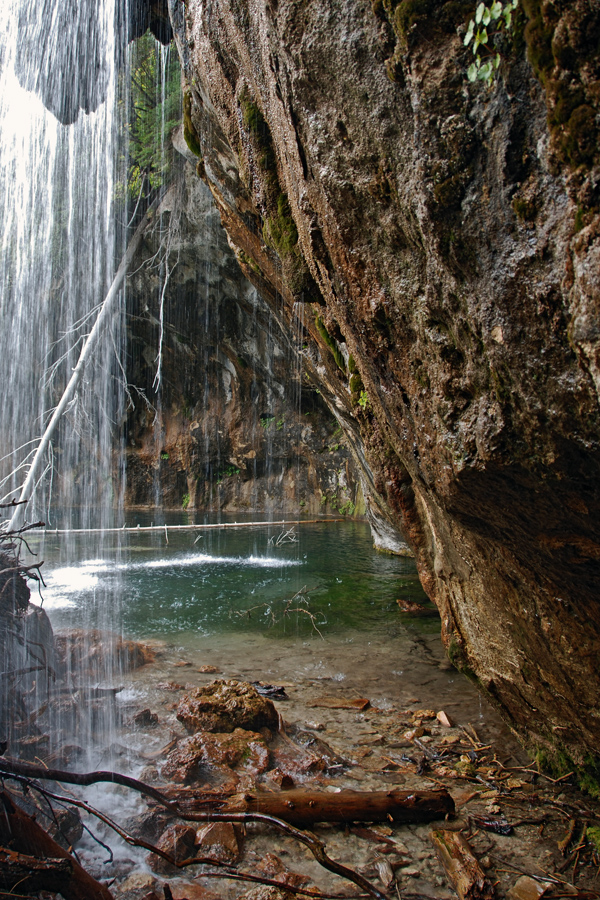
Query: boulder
point(224, 706)
point(179, 842)
point(243, 751)
point(219, 842)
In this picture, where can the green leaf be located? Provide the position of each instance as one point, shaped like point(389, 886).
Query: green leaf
point(497, 61)
point(479, 13)
point(472, 72)
point(507, 17)
point(496, 10)
point(482, 36)
point(470, 33)
point(487, 17)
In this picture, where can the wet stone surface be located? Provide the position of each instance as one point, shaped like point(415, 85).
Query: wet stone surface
point(423, 728)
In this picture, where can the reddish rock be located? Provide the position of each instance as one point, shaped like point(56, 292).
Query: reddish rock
point(242, 751)
point(179, 842)
point(218, 841)
point(100, 653)
point(225, 705)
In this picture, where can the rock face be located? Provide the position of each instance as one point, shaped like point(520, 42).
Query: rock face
point(238, 426)
point(442, 241)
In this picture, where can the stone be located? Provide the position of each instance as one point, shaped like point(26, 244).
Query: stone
point(179, 842)
point(99, 654)
point(243, 751)
point(224, 706)
point(219, 842)
point(145, 719)
point(66, 827)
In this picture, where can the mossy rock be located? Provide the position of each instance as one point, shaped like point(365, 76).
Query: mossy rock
point(190, 134)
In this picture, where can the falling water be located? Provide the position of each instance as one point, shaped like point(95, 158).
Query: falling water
point(58, 252)
point(61, 167)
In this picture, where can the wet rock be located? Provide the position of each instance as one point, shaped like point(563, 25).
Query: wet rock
point(219, 842)
point(179, 842)
point(149, 825)
point(185, 890)
point(271, 866)
point(242, 751)
point(99, 654)
point(137, 886)
point(263, 892)
point(66, 828)
point(225, 705)
point(208, 670)
point(149, 774)
point(145, 719)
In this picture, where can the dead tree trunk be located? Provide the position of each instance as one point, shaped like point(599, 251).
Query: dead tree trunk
point(27, 838)
point(106, 310)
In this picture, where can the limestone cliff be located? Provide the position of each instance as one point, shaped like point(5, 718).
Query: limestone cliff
point(442, 240)
point(222, 416)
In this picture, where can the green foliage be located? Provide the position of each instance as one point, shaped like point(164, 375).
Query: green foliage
point(164, 455)
point(331, 343)
point(189, 132)
point(488, 21)
point(185, 502)
point(279, 231)
point(265, 421)
point(154, 110)
point(363, 400)
point(348, 508)
point(593, 835)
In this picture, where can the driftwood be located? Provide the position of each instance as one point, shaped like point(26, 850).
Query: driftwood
point(27, 838)
point(24, 772)
point(28, 874)
point(463, 870)
point(300, 807)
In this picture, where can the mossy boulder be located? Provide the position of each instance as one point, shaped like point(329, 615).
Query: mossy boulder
point(224, 706)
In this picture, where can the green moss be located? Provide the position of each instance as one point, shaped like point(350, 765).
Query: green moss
point(189, 132)
point(572, 99)
point(411, 12)
point(579, 143)
point(558, 763)
point(524, 209)
point(355, 384)
point(331, 344)
point(279, 231)
point(351, 365)
point(593, 835)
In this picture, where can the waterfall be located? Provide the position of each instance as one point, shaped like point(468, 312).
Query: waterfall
point(63, 166)
point(58, 186)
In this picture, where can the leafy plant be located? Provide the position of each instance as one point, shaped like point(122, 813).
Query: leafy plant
point(153, 103)
point(265, 421)
point(185, 501)
point(488, 21)
point(164, 455)
point(363, 400)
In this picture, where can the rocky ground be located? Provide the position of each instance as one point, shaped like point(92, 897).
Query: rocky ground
point(190, 725)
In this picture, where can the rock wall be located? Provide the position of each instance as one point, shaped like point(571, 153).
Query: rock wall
point(236, 426)
point(442, 240)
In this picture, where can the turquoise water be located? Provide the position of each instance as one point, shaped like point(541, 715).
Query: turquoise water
point(326, 580)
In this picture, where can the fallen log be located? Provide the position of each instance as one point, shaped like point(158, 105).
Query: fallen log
point(305, 807)
point(22, 874)
point(28, 838)
point(461, 866)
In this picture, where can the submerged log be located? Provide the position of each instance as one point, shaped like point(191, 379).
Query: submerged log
point(463, 870)
point(26, 837)
point(301, 807)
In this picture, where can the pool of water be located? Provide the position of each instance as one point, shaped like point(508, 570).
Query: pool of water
point(320, 579)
